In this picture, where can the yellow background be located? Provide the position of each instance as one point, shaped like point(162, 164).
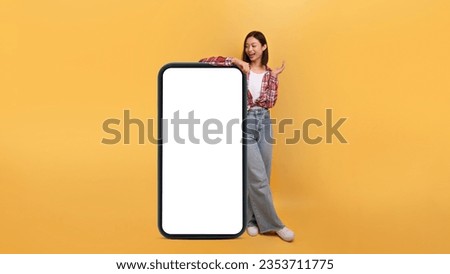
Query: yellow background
point(66, 66)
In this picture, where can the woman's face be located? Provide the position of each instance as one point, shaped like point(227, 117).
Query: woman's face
point(254, 49)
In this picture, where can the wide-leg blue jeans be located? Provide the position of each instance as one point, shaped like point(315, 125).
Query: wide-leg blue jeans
point(260, 208)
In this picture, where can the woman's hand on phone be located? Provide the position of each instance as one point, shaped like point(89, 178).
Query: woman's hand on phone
point(243, 66)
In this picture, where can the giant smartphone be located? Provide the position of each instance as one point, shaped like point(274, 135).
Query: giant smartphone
point(201, 151)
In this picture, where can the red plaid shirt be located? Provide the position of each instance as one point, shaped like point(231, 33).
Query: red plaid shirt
point(269, 88)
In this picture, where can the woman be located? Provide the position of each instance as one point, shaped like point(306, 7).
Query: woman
point(262, 95)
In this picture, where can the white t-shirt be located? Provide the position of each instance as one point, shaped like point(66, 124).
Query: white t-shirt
point(255, 83)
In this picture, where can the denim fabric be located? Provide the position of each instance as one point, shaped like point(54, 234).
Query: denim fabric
point(260, 209)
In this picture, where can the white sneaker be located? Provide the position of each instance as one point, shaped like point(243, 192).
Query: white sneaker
point(252, 231)
point(286, 234)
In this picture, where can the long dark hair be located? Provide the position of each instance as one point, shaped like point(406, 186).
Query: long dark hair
point(262, 39)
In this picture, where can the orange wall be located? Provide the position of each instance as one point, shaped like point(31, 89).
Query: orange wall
point(66, 66)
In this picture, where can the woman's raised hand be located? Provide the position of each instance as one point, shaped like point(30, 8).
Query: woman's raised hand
point(278, 70)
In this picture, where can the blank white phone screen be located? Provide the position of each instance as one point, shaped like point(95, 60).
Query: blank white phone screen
point(202, 151)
